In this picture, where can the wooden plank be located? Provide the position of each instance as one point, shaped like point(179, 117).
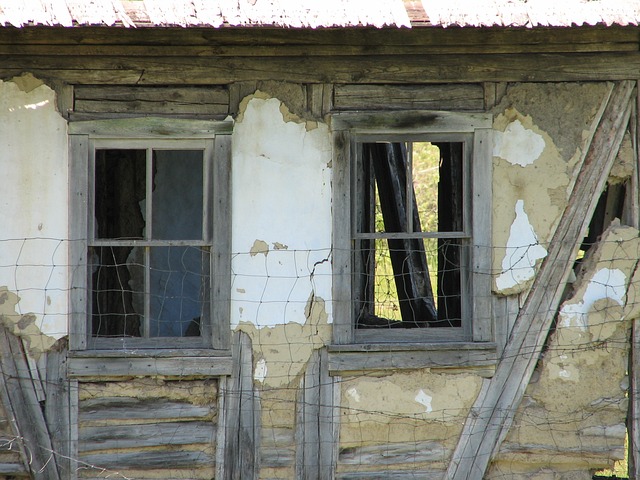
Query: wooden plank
point(492, 414)
point(92, 40)
point(79, 367)
point(242, 415)
point(57, 408)
point(167, 100)
point(481, 205)
point(341, 239)
point(138, 436)
point(150, 127)
point(412, 97)
point(410, 69)
point(316, 427)
point(409, 122)
point(394, 453)
point(96, 411)
point(394, 359)
point(221, 281)
point(165, 459)
point(212, 95)
point(88, 36)
point(23, 405)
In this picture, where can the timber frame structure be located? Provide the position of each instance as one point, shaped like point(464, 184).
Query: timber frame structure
point(270, 397)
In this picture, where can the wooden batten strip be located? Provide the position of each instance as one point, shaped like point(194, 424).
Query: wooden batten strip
point(492, 414)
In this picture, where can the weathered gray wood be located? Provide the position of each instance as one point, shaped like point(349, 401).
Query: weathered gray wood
point(277, 447)
point(79, 367)
point(221, 250)
point(316, 426)
point(400, 97)
point(237, 92)
point(341, 240)
point(433, 355)
point(242, 414)
point(132, 409)
point(481, 206)
point(57, 408)
point(78, 208)
point(409, 122)
point(164, 41)
point(150, 127)
point(24, 409)
point(148, 460)
point(493, 411)
point(412, 69)
point(113, 437)
point(394, 453)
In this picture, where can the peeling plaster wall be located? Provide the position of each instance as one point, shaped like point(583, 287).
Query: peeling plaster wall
point(281, 266)
point(411, 419)
point(33, 209)
point(573, 415)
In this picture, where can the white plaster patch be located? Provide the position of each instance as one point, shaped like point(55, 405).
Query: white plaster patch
point(522, 252)
point(605, 283)
point(518, 145)
point(34, 205)
point(260, 372)
point(424, 399)
point(288, 205)
point(564, 373)
point(353, 393)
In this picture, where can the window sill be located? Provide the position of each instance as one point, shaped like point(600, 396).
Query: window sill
point(88, 364)
point(480, 358)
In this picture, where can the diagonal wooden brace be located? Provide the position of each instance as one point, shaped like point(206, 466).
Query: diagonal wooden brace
point(492, 414)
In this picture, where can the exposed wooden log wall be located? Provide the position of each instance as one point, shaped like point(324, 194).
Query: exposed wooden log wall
point(120, 434)
point(492, 414)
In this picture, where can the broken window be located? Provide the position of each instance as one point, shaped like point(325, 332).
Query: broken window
point(150, 252)
point(150, 222)
point(412, 234)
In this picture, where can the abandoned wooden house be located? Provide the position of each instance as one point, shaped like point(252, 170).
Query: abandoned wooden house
point(261, 239)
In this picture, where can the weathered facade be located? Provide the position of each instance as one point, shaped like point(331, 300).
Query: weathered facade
point(192, 205)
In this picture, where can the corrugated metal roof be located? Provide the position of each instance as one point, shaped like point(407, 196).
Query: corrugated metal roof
point(319, 13)
point(205, 13)
point(531, 13)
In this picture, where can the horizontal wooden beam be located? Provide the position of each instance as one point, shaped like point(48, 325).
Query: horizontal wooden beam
point(398, 69)
point(92, 367)
point(219, 39)
point(364, 357)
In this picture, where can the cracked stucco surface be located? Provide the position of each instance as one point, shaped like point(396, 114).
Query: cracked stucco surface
point(33, 210)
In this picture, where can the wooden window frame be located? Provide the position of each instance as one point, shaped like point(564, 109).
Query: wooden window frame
point(93, 355)
point(473, 344)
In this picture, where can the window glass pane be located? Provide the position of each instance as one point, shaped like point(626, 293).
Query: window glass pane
point(177, 194)
point(179, 282)
point(119, 193)
point(118, 286)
